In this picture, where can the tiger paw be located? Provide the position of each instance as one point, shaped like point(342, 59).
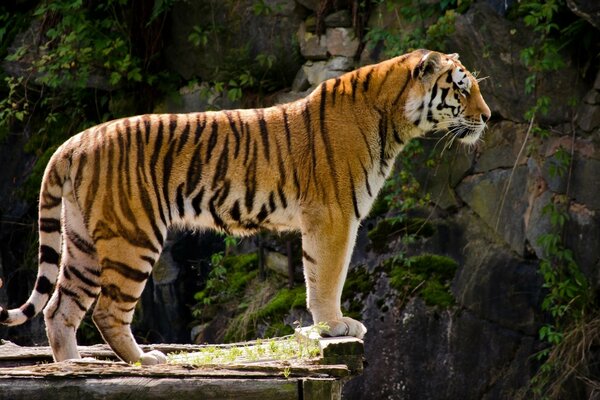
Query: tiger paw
point(153, 357)
point(345, 326)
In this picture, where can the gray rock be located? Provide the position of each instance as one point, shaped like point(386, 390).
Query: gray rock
point(504, 90)
point(342, 42)
point(500, 6)
point(586, 9)
point(300, 82)
point(588, 116)
point(312, 47)
point(341, 19)
point(501, 145)
point(317, 72)
point(441, 180)
point(499, 209)
point(277, 262)
point(340, 63)
point(312, 5)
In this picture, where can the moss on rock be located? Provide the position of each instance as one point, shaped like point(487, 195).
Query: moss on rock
point(427, 275)
point(390, 228)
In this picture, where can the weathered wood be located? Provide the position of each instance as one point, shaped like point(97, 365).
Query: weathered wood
point(67, 388)
point(28, 373)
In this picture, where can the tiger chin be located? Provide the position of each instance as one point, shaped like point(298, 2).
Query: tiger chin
point(110, 193)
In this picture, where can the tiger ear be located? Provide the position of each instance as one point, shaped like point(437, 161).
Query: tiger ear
point(453, 56)
point(429, 64)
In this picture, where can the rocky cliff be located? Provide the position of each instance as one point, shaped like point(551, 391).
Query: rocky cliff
point(474, 333)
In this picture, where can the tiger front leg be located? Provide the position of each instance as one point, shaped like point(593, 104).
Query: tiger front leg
point(326, 249)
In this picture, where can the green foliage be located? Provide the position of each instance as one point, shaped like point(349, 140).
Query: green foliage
point(568, 299)
point(430, 23)
point(227, 279)
point(426, 275)
point(84, 53)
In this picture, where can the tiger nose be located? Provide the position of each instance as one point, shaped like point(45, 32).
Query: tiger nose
point(486, 113)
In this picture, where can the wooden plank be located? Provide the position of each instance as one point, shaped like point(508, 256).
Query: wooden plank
point(321, 389)
point(147, 388)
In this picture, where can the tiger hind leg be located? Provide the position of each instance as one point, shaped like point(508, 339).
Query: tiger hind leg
point(122, 285)
point(76, 289)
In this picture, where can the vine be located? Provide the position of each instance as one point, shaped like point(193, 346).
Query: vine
point(568, 298)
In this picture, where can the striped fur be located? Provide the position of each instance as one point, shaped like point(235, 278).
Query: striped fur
point(110, 193)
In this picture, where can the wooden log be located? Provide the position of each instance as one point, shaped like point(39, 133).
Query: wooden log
point(66, 388)
point(32, 374)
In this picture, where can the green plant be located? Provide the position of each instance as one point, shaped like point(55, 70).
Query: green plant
point(430, 24)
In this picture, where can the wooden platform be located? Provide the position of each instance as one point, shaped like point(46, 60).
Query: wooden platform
point(29, 373)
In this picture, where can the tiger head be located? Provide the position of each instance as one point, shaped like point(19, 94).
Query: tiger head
point(445, 96)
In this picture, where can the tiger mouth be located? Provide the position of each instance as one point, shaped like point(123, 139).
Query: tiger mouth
point(467, 134)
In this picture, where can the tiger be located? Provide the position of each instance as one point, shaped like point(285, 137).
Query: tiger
point(110, 193)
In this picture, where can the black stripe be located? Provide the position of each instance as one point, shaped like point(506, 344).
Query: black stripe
point(184, 136)
point(236, 133)
point(149, 260)
point(367, 80)
point(200, 125)
point(235, 211)
point(179, 200)
point(264, 133)
point(311, 144)
point(224, 192)
point(336, 84)
point(43, 285)
point(84, 279)
point(49, 225)
point(89, 293)
point(383, 80)
point(28, 310)
point(282, 197)
point(213, 211)
point(251, 181)
point(272, 205)
point(246, 129)
point(113, 292)
point(354, 83)
point(153, 163)
point(48, 201)
point(286, 126)
point(3, 315)
point(166, 177)
point(74, 296)
point(147, 127)
point(433, 94)
point(308, 258)
point(194, 172)
point(125, 154)
point(81, 244)
point(366, 179)
point(382, 141)
point(96, 272)
point(197, 200)
point(222, 164)
point(397, 99)
point(262, 214)
point(327, 142)
point(212, 140)
point(48, 255)
point(124, 270)
point(353, 191)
